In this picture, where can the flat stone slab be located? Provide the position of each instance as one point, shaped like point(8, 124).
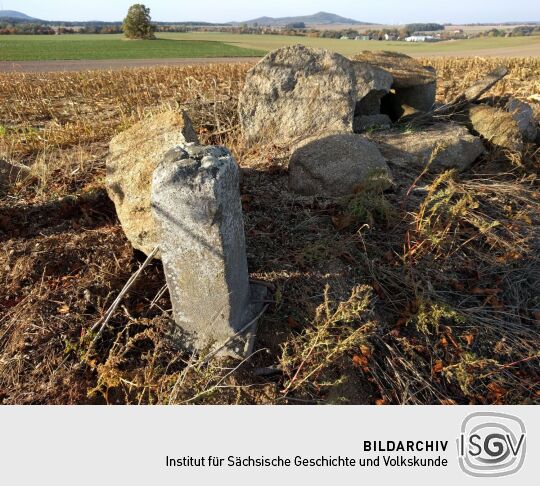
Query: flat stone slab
point(484, 84)
point(405, 70)
point(454, 146)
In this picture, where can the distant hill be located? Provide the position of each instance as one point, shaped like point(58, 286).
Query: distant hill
point(13, 14)
point(321, 18)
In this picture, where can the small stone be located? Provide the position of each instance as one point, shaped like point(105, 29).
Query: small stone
point(335, 165)
point(134, 154)
point(371, 122)
point(296, 92)
point(11, 172)
point(198, 214)
point(523, 114)
point(454, 146)
point(497, 126)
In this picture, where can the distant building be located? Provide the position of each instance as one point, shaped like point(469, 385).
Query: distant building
point(420, 38)
point(390, 37)
point(345, 37)
point(362, 37)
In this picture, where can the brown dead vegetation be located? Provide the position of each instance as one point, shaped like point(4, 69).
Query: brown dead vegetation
point(427, 293)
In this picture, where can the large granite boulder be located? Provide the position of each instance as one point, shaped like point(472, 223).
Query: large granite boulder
point(134, 155)
point(452, 144)
point(334, 165)
point(497, 126)
point(297, 92)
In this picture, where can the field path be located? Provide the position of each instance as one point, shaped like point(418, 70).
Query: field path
point(112, 64)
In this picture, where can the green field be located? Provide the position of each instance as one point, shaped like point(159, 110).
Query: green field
point(215, 44)
point(86, 47)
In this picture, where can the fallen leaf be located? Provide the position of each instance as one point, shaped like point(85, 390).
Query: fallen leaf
point(365, 350)
point(348, 257)
point(402, 321)
point(494, 302)
point(361, 361)
point(378, 289)
point(469, 338)
point(480, 291)
point(438, 366)
point(458, 285)
point(293, 323)
point(380, 401)
point(496, 390)
point(63, 309)
point(389, 256)
point(342, 221)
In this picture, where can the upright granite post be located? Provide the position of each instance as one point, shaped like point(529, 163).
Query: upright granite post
point(198, 214)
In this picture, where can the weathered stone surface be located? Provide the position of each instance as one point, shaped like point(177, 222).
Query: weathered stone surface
point(497, 126)
point(369, 122)
point(296, 92)
point(372, 83)
point(406, 71)
point(197, 209)
point(11, 172)
point(455, 146)
point(523, 114)
point(334, 165)
point(421, 97)
point(134, 154)
point(484, 84)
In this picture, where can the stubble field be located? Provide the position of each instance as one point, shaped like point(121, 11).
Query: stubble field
point(408, 296)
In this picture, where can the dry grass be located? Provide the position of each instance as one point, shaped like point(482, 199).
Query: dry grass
point(427, 294)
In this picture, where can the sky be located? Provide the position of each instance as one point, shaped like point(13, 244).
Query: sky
point(379, 11)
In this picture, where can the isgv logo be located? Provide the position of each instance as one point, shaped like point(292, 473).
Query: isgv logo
point(491, 444)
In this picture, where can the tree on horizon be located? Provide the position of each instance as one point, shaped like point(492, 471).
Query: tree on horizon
point(138, 23)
